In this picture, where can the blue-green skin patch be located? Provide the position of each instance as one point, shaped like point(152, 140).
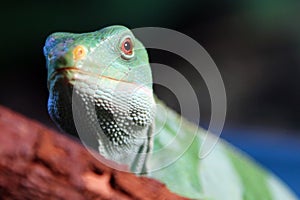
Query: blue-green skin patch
point(92, 80)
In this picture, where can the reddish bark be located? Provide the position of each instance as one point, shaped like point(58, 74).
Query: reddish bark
point(39, 163)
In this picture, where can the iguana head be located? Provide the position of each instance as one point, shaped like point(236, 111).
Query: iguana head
point(112, 52)
point(104, 77)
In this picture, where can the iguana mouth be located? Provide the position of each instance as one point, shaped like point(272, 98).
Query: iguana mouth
point(63, 72)
point(77, 70)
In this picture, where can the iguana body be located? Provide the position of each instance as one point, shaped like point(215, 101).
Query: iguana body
point(100, 86)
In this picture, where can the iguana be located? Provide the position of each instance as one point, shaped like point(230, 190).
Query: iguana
point(100, 88)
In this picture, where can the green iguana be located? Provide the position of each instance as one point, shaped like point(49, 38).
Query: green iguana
point(100, 86)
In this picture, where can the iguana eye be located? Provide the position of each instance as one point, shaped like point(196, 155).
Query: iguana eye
point(79, 52)
point(127, 48)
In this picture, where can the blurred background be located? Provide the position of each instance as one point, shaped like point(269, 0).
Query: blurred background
point(255, 44)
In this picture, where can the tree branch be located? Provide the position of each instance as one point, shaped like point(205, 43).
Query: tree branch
point(39, 163)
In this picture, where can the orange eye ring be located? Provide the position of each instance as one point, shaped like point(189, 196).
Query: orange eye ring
point(79, 52)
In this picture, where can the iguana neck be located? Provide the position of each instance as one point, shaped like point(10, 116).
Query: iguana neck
point(114, 122)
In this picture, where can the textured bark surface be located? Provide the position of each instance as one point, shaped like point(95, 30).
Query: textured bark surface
point(39, 163)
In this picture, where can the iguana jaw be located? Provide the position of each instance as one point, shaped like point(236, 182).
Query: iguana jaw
point(73, 70)
point(72, 75)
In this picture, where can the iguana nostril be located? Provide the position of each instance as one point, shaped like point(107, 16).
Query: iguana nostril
point(61, 60)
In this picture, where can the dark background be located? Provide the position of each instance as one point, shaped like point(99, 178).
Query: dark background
point(255, 44)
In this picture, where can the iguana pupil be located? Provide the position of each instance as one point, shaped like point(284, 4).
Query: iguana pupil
point(127, 46)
